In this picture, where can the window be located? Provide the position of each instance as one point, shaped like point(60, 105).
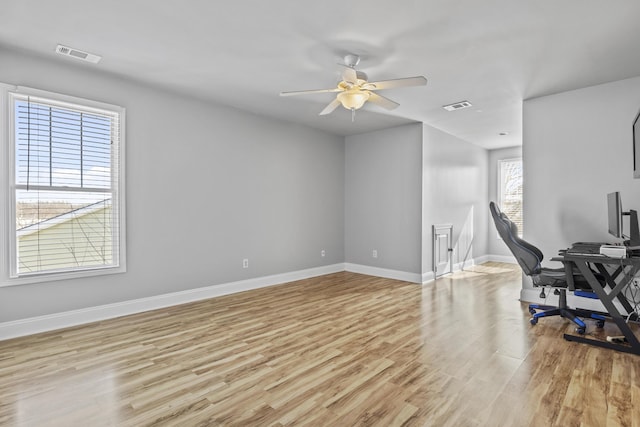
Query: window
point(510, 190)
point(64, 188)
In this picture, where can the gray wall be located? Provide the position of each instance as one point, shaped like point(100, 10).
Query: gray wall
point(401, 181)
point(495, 244)
point(209, 185)
point(577, 148)
point(383, 198)
point(454, 192)
point(206, 187)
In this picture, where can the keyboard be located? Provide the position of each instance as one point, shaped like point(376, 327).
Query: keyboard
point(584, 250)
point(598, 244)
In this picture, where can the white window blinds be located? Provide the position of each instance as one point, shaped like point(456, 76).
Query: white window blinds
point(67, 184)
point(510, 190)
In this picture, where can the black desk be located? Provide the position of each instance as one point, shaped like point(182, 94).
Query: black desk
point(618, 274)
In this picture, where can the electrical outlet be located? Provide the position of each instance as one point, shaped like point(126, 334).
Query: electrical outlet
point(322, 253)
point(374, 253)
point(245, 263)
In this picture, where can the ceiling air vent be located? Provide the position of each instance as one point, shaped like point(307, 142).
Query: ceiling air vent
point(457, 106)
point(78, 54)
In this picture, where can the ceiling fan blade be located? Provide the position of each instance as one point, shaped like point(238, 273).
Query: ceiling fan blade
point(390, 84)
point(307, 92)
point(382, 101)
point(329, 108)
point(349, 74)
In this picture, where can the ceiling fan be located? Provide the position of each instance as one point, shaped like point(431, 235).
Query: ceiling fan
point(354, 89)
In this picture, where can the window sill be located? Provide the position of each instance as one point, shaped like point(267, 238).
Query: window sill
point(51, 277)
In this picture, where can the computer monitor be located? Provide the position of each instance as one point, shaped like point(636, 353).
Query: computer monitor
point(615, 215)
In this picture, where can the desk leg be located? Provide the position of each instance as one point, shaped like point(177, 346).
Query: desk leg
point(607, 301)
point(612, 283)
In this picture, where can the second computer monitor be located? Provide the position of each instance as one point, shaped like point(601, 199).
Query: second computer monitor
point(614, 213)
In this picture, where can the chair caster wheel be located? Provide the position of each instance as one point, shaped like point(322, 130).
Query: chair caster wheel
point(533, 320)
point(581, 331)
point(532, 311)
point(600, 324)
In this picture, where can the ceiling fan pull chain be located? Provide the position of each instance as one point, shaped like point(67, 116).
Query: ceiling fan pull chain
point(353, 115)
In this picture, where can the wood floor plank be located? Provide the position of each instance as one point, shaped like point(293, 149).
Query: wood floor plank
point(342, 349)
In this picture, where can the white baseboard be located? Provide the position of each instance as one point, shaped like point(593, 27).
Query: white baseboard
point(459, 266)
point(509, 259)
point(23, 327)
point(34, 325)
point(383, 272)
point(481, 259)
point(428, 277)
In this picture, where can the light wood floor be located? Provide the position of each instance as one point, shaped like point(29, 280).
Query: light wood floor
point(338, 350)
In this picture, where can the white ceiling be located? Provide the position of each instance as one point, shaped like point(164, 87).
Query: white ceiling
point(493, 53)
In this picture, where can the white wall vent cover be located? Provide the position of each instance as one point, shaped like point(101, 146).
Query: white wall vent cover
point(78, 54)
point(457, 106)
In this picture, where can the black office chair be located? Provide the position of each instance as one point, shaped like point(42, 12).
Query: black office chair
point(530, 258)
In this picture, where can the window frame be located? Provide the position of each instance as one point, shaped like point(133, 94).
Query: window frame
point(500, 192)
point(8, 234)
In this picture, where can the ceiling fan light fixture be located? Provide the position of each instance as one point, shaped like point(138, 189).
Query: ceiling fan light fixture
point(354, 89)
point(353, 99)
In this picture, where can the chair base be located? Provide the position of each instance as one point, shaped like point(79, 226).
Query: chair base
point(573, 314)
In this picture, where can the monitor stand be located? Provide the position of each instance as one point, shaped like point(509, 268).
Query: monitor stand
point(634, 230)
